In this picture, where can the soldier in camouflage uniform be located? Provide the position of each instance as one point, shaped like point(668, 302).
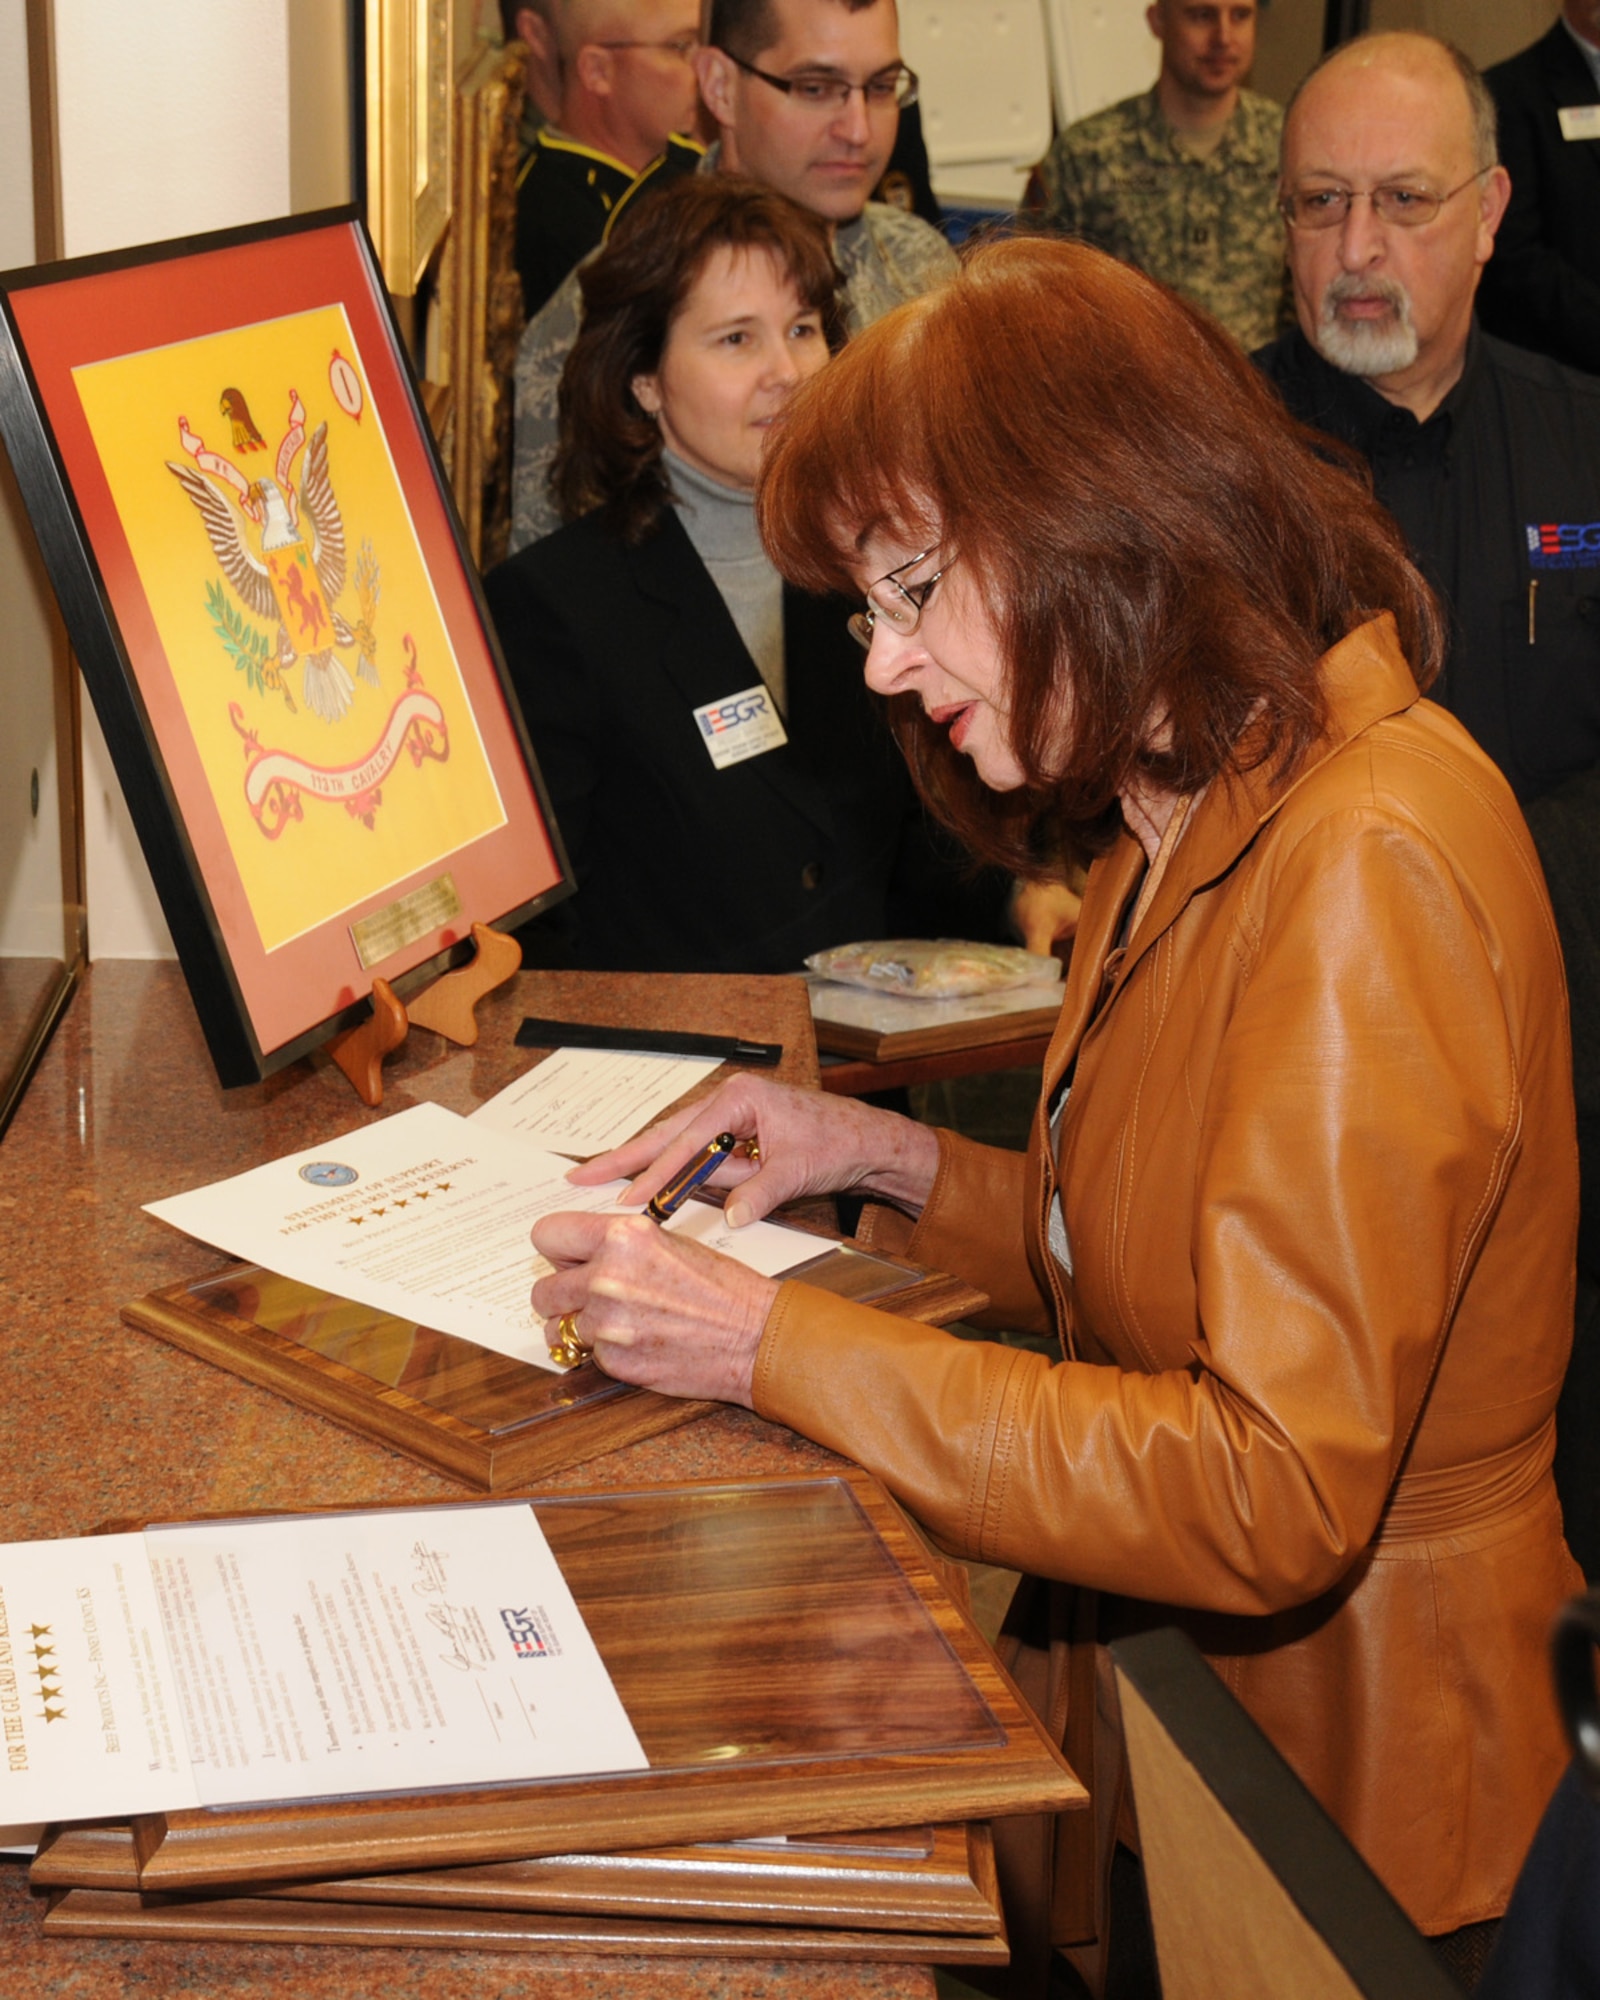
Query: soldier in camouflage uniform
point(827, 154)
point(1182, 181)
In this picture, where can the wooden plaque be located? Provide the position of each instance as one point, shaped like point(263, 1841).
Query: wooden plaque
point(841, 1038)
point(919, 1882)
point(262, 1920)
point(790, 1662)
point(475, 1415)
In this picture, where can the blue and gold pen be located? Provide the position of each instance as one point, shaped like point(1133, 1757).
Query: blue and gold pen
point(684, 1182)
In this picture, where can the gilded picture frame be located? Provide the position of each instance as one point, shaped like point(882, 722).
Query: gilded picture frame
point(246, 523)
point(479, 299)
point(410, 104)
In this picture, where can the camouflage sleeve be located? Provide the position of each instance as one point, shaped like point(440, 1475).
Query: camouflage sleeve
point(1061, 175)
point(546, 343)
point(889, 258)
point(920, 257)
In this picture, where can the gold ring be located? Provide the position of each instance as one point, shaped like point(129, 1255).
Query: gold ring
point(752, 1151)
point(569, 1350)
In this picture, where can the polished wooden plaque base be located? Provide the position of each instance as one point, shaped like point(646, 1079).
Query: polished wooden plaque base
point(259, 1920)
point(790, 1662)
point(491, 1422)
point(840, 1038)
point(916, 1893)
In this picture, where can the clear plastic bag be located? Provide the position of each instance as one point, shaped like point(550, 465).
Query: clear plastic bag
point(933, 968)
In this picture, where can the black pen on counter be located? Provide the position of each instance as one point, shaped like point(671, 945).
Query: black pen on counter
point(668, 1200)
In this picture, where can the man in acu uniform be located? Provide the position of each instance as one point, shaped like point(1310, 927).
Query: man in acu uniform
point(1182, 181)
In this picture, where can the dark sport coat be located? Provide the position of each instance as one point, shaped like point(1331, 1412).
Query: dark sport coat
point(681, 867)
point(1541, 288)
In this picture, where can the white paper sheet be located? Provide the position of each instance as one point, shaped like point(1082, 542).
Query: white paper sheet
point(426, 1215)
point(245, 1662)
point(86, 1688)
point(373, 1652)
point(585, 1101)
point(767, 1247)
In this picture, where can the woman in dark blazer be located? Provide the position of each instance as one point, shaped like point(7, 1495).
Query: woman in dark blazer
point(729, 798)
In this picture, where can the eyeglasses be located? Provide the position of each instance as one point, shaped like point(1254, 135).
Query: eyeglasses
point(1397, 204)
point(896, 87)
point(902, 604)
point(681, 46)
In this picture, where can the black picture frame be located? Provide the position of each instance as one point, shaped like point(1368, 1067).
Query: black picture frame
point(255, 1022)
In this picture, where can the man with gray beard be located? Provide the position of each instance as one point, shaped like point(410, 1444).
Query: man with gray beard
point(1488, 457)
point(1489, 460)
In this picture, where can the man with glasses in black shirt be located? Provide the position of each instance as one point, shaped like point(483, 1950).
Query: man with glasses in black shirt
point(1489, 460)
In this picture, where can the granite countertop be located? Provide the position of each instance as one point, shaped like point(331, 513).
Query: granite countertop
point(100, 1422)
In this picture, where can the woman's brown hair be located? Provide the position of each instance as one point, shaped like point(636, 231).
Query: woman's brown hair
point(609, 456)
point(1164, 551)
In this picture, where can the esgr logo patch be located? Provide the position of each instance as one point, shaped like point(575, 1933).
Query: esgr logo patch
point(739, 726)
point(529, 1632)
point(1564, 544)
point(730, 714)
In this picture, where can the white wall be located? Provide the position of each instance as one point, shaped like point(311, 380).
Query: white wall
point(985, 94)
point(1102, 51)
point(173, 117)
point(16, 144)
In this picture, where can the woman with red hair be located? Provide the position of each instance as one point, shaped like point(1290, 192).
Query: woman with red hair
point(1301, 1202)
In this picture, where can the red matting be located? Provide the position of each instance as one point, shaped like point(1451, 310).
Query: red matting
point(113, 313)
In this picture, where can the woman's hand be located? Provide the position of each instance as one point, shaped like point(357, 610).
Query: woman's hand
point(658, 1309)
point(806, 1143)
point(665, 1312)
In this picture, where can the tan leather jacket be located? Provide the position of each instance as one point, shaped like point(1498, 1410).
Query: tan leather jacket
point(1319, 1177)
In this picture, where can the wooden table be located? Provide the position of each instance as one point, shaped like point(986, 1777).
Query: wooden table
point(101, 1423)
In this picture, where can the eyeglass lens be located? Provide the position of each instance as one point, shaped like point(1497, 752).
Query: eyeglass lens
point(1326, 208)
point(1395, 204)
point(878, 91)
point(833, 93)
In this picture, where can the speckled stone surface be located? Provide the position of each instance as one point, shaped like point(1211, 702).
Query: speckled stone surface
point(99, 1422)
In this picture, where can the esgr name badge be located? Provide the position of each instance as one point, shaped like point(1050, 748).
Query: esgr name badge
point(740, 726)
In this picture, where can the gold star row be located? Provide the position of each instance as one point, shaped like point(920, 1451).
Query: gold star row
point(422, 1194)
point(47, 1676)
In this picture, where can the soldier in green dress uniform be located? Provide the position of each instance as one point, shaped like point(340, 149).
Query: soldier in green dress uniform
point(625, 76)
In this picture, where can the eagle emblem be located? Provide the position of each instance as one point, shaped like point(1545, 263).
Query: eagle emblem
point(281, 549)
